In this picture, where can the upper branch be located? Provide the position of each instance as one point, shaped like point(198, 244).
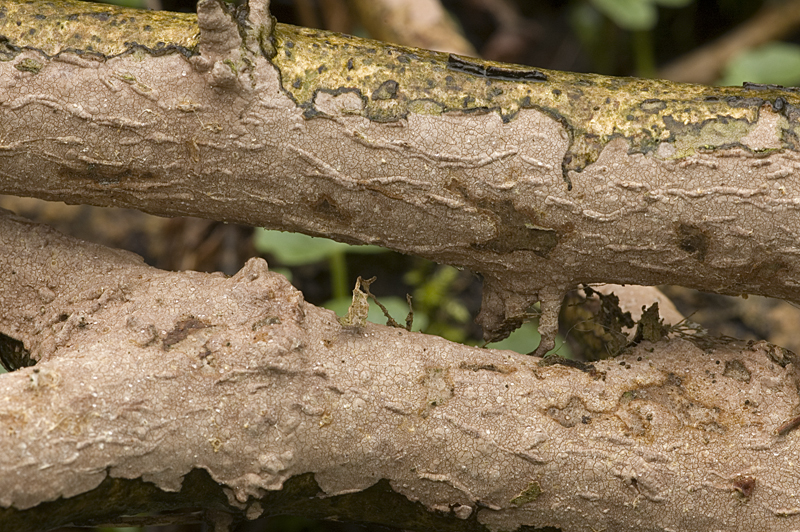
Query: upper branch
point(538, 180)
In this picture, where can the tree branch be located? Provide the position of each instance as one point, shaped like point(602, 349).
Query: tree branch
point(152, 375)
point(537, 180)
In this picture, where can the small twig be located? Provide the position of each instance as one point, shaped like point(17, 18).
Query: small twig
point(788, 426)
point(390, 321)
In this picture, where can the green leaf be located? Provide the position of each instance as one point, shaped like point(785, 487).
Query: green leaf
point(773, 63)
point(523, 340)
point(632, 15)
point(527, 338)
point(295, 249)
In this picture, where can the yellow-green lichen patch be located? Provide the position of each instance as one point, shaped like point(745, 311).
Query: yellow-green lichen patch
point(53, 27)
point(394, 81)
point(29, 65)
point(127, 77)
point(529, 494)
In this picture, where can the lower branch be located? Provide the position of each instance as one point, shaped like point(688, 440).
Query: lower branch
point(175, 380)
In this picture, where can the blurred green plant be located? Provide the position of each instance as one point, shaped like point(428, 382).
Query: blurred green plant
point(635, 15)
point(772, 63)
point(590, 21)
point(436, 288)
point(295, 249)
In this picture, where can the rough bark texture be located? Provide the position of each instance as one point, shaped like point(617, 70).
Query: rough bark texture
point(537, 180)
point(150, 375)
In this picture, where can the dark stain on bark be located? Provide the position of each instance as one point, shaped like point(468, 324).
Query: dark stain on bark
point(327, 208)
point(744, 485)
point(479, 68)
point(182, 330)
point(736, 370)
point(692, 240)
point(486, 367)
point(387, 91)
point(517, 232)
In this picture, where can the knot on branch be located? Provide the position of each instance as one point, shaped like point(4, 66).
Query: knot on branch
point(232, 39)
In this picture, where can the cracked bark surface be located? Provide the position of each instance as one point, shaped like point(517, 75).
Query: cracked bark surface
point(537, 180)
point(153, 375)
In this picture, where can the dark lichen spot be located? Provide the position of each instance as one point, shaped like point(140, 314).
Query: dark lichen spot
point(387, 91)
point(652, 106)
point(486, 367)
point(692, 240)
point(297, 83)
point(321, 69)
point(736, 370)
point(740, 102)
point(479, 68)
point(182, 330)
point(744, 485)
point(407, 58)
point(779, 104)
point(29, 65)
point(529, 494)
point(494, 92)
point(350, 64)
point(571, 415)
point(769, 87)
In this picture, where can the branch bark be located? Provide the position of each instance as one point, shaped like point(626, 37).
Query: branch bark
point(537, 180)
point(235, 395)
